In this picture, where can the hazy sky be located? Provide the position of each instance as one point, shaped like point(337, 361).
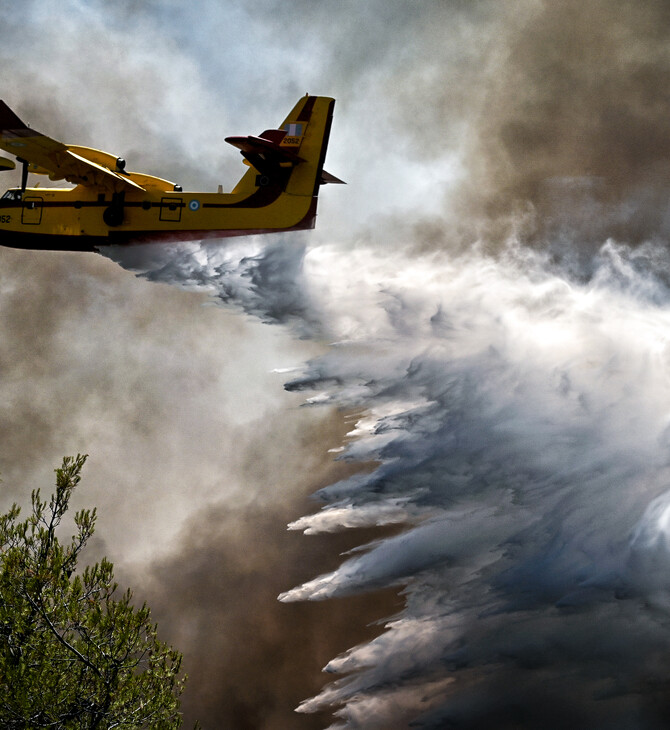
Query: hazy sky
point(480, 323)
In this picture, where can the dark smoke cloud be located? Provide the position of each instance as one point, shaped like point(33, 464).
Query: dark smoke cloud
point(578, 111)
point(250, 659)
point(554, 115)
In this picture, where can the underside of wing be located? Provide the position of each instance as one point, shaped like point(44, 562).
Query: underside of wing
point(44, 155)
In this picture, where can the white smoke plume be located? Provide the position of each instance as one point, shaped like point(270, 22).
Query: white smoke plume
point(518, 420)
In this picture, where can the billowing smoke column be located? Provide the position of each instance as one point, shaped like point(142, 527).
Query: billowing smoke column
point(518, 420)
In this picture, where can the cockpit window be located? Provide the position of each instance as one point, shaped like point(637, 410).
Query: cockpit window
point(12, 195)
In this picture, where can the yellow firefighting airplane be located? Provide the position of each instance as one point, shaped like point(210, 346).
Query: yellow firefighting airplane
point(109, 205)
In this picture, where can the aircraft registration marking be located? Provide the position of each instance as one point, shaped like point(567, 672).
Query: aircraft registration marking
point(5, 218)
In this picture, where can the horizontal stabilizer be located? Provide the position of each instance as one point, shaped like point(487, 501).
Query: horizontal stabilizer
point(263, 145)
point(274, 135)
point(326, 178)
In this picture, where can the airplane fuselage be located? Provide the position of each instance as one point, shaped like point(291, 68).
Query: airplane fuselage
point(76, 218)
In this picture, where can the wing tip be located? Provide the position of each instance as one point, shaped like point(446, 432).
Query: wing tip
point(8, 119)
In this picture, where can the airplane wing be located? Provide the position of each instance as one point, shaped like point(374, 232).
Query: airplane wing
point(48, 156)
